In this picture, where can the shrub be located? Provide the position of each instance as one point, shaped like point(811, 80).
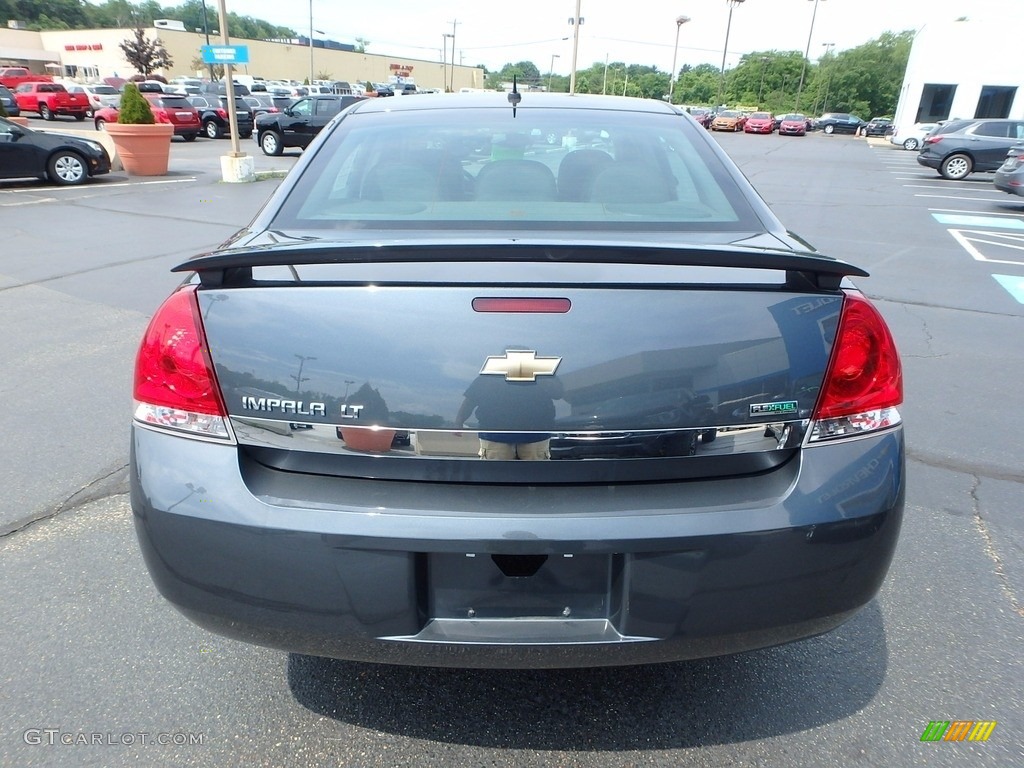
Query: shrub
point(3, 110)
point(135, 110)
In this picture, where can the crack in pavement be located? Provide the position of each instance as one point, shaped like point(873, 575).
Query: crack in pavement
point(990, 549)
point(113, 483)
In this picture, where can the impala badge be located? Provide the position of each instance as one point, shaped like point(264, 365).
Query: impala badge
point(520, 365)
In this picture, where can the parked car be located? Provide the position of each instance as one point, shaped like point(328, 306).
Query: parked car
point(877, 126)
point(759, 122)
point(261, 103)
point(167, 108)
point(839, 122)
point(97, 95)
point(64, 160)
point(1010, 175)
point(728, 120)
point(297, 125)
point(793, 124)
point(702, 115)
point(407, 277)
point(50, 100)
point(959, 148)
point(383, 89)
point(213, 115)
point(10, 103)
point(911, 138)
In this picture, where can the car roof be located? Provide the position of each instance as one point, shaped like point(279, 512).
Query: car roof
point(499, 100)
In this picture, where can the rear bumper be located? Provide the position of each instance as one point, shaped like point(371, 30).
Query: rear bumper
point(443, 575)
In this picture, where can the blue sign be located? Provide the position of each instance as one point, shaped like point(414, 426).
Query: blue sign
point(225, 54)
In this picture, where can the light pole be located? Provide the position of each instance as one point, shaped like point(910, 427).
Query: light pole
point(551, 69)
point(828, 83)
point(807, 52)
point(206, 31)
point(764, 67)
point(298, 378)
point(310, 46)
point(444, 46)
point(575, 21)
point(725, 50)
point(680, 20)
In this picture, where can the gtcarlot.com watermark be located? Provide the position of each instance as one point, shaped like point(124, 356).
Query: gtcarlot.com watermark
point(56, 737)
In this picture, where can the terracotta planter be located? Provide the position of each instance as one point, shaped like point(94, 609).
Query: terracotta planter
point(368, 440)
point(19, 121)
point(144, 149)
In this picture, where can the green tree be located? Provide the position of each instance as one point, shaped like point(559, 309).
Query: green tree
point(135, 110)
point(144, 54)
point(526, 73)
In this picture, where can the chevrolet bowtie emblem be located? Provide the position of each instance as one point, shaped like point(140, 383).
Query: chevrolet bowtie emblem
point(521, 365)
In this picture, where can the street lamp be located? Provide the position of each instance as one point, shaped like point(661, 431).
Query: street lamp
point(444, 46)
point(725, 50)
point(764, 67)
point(551, 69)
point(310, 46)
point(807, 52)
point(828, 83)
point(680, 20)
point(206, 31)
point(299, 377)
point(575, 21)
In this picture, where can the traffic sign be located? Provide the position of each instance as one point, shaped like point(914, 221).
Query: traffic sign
point(225, 54)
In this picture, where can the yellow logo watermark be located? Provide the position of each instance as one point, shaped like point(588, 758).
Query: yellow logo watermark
point(958, 730)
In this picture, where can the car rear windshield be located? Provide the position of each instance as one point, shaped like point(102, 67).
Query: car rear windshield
point(482, 168)
point(175, 102)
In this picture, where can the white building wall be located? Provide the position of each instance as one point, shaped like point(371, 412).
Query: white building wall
point(968, 54)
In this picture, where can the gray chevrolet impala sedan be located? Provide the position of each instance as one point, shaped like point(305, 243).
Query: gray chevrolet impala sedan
point(461, 395)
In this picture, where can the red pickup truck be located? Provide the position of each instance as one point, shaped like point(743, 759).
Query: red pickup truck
point(12, 77)
point(50, 100)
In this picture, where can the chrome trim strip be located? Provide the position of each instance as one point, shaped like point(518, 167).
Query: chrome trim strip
point(574, 445)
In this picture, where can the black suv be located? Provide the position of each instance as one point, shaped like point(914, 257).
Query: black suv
point(961, 147)
point(878, 126)
point(213, 114)
point(298, 124)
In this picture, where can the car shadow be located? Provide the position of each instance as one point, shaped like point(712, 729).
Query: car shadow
point(726, 700)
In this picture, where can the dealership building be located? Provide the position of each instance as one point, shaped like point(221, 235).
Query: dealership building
point(93, 54)
point(961, 69)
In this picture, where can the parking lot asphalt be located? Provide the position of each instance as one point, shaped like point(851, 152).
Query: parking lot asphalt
point(90, 648)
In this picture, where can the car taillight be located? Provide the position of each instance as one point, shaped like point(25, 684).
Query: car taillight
point(161, 116)
point(864, 380)
point(175, 385)
point(932, 139)
point(223, 113)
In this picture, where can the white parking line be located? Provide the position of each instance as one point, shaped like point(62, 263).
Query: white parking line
point(972, 199)
point(970, 211)
point(984, 190)
point(966, 238)
point(29, 202)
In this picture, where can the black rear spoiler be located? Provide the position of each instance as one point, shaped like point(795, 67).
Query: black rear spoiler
point(804, 270)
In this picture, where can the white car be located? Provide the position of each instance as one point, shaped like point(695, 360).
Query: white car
point(911, 138)
point(99, 96)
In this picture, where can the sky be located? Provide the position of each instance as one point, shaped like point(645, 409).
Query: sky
point(632, 31)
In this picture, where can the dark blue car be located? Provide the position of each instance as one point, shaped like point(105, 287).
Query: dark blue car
point(574, 406)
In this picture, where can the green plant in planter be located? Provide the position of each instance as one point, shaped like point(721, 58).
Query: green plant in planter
point(135, 110)
point(3, 110)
